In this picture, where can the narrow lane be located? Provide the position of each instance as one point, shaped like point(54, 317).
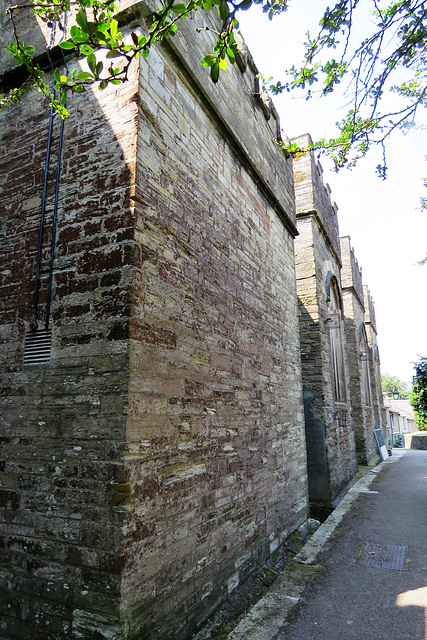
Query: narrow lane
point(373, 581)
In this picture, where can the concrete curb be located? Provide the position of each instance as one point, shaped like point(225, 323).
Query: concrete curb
point(270, 613)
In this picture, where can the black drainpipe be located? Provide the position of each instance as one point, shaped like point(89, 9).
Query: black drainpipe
point(34, 323)
point(55, 214)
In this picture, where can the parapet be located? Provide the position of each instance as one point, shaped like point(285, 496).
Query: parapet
point(369, 309)
point(312, 195)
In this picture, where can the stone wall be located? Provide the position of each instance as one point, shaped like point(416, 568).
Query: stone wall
point(415, 441)
point(374, 363)
point(64, 423)
point(216, 450)
point(329, 428)
point(159, 457)
point(313, 195)
point(351, 273)
point(363, 385)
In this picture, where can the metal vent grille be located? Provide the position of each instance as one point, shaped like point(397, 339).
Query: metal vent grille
point(38, 347)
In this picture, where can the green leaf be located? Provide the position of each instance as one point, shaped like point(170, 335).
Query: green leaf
point(231, 56)
point(209, 60)
point(85, 75)
point(114, 53)
point(99, 37)
point(113, 27)
point(91, 60)
point(66, 45)
point(207, 5)
point(81, 19)
point(103, 27)
point(87, 50)
point(222, 63)
point(215, 72)
point(57, 74)
point(223, 10)
point(75, 31)
point(179, 8)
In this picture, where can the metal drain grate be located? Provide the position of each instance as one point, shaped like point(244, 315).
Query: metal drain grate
point(383, 556)
point(38, 347)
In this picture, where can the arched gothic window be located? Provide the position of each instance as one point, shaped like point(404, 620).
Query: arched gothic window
point(336, 346)
point(364, 356)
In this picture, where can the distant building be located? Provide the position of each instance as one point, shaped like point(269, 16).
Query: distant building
point(400, 419)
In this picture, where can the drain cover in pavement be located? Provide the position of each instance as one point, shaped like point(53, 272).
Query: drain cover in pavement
point(383, 556)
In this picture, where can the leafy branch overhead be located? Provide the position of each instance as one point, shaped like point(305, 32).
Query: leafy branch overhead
point(392, 58)
point(109, 53)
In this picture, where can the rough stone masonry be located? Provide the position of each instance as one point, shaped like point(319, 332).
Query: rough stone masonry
point(331, 448)
point(158, 456)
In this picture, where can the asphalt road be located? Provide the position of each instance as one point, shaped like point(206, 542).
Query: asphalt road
point(372, 584)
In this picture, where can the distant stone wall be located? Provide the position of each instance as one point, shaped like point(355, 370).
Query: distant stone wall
point(364, 394)
point(415, 441)
point(374, 363)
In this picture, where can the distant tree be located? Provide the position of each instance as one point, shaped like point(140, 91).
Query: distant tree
point(392, 385)
point(418, 395)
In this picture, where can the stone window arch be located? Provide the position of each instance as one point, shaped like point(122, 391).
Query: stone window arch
point(364, 356)
point(334, 322)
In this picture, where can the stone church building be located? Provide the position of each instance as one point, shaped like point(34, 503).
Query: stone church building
point(181, 333)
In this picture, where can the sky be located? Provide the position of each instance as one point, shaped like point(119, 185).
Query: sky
point(387, 228)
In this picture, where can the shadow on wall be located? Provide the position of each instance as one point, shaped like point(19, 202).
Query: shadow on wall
point(317, 466)
point(63, 424)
